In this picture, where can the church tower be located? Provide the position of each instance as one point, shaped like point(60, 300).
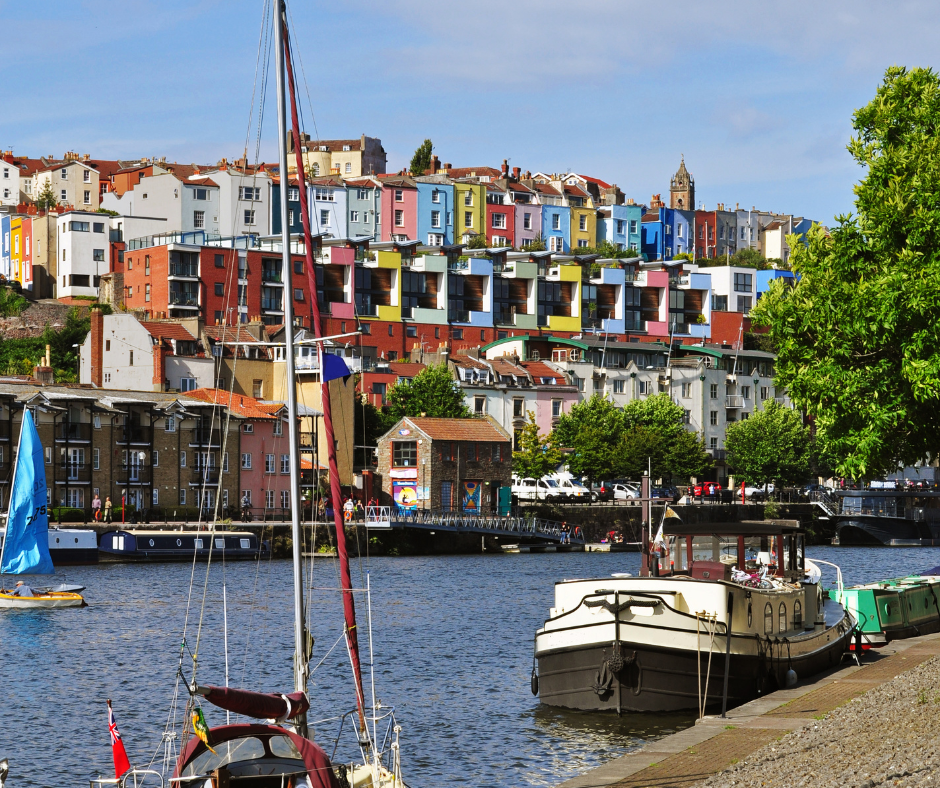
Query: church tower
point(682, 189)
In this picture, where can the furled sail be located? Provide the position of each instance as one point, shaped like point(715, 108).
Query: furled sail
point(261, 705)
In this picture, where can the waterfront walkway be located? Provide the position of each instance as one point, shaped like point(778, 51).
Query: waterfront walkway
point(687, 758)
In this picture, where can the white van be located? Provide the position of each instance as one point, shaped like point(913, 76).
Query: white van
point(573, 488)
point(544, 489)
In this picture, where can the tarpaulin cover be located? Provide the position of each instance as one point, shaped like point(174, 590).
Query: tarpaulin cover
point(262, 705)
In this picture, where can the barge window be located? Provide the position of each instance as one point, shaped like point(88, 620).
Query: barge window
point(244, 544)
point(797, 615)
point(768, 619)
point(198, 543)
point(782, 627)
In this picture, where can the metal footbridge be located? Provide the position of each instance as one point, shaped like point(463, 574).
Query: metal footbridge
point(526, 528)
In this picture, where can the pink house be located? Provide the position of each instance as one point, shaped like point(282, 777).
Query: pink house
point(554, 395)
point(264, 452)
point(342, 255)
point(399, 209)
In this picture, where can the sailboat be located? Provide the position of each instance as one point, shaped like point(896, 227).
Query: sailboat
point(278, 750)
point(25, 549)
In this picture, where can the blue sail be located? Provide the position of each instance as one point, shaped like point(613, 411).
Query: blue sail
point(26, 545)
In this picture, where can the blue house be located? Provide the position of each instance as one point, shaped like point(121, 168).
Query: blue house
point(294, 220)
point(556, 228)
point(620, 225)
point(682, 230)
point(766, 278)
point(661, 231)
point(435, 210)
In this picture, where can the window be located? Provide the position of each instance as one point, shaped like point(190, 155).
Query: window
point(556, 221)
point(783, 618)
point(98, 227)
point(225, 463)
point(63, 173)
point(457, 333)
point(556, 408)
point(95, 420)
point(362, 194)
point(468, 218)
point(62, 194)
point(155, 459)
point(248, 428)
point(499, 221)
point(763, 393)
point(411, 331)
point(742, 283)
point(479, 405)
point(354, 216)
point(391, 330)
point(182, 459)
point(746, 392)
point(277, 428)
point(719, 303)
point(131, 362)
point(742, 233)
point(293, 194)
point(468, 197)
point(188, 384)
point(713, 443)
point(744, 304)
point(768, 619)
point(79, 227)
point(96, 459)
point(399, 218)
point(405, 454)
point(517, 408)
point(290, 217)
point(170, 424)
point(86, 197)
point(256, 388)
point(797, 615)
point(582, 243)
point(199, 220)
point(618, 386)
point(435, 196)
point(436, 218)
point(447, 490)
point(220, 288)
point(713, 418)
point(579, 382)
point(447, 451)
point(325, 217)
point(348, 169)
point(686, 390)
point(497, 452)
point(399, 195)
point(582, 223)
point(643, 387)
point(527, 221)
point(285, 463)
point(713, 391)
point(249, 217)
point(201, 194)
point(269, 499)
point(269, 463)
point(146, 292)
point(470, 452)
point(250, 193)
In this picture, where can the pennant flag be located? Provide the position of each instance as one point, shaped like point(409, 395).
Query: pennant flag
point(26, 546)
point(200, 728)
point(121, 764)
point(334, 367)
point(670, 513)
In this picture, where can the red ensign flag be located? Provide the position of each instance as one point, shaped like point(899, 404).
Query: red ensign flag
point(121, 764)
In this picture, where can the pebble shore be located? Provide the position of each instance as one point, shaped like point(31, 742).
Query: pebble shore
point(890, 736)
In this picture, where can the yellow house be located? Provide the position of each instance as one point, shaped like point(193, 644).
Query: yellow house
point(386, 277)
point(570, 275)
point(469, 210)
point(583, 218)
point(17, 251)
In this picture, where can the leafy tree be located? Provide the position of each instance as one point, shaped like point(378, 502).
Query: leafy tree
point(684, 256)
point(11, 303)
point(641, 449)
point(421, 161)
point(432, 392)
point(679, 453)
point(538, 454)
point(478, 241)
point(686, 456)
point(658, 412)
point(606, 249)
point(591, 429)
point(858, 335)
point(47, 198)
point(771, 446)
point(749, 258)
point(537, 244)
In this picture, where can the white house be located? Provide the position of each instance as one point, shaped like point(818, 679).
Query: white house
point(244, 200)
point(734, 289)
point(73, 183)
point(186, 205)
point(84, 252)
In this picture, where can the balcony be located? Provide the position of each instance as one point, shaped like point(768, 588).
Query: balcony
point(184, 299)
point(408, 312)
point(735, 401)
point(184, 271)
point(73, 472)
point(271, 277)
point(135, 434)
point(718, 454)
point(206, 437)
point(272, 305)
point(132, 474)
point(80, 433)
point(680, 328)
point(459, 316)
point(458, 265)
point(207, 476)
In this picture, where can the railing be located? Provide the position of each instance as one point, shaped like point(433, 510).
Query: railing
point(206, 437)
point(133, 474)
point(206, 475)
point(184, 299)
point(271, 277)
point(458, 265)
point(734, 401)
point(272, 305)
point(718, 454)
point(73, 472)
point(367, 309)
point(184, 269)
point(680, 328)
point(459, 316)
point(519, 526)
point(73, 432)
point(408, 312)
point(135, 435)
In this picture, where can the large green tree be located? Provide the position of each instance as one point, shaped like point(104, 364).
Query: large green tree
point(432, 392)
point(771, 446)
point(680, 454)
point(421, 161)
point(858, 335)
point(538, 454)
point(592, 430)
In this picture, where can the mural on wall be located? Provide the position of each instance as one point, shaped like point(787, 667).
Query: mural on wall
point(405, 494)
point(471, 497)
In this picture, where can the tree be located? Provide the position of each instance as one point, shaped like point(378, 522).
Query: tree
point(592, 430)
point(658, 412)
point(47, 199)
point(537, 454)
point(771, 446)
point(684, 256)
point(421, 161)
point(537, 244)
point(640, 450)
point(858, 332)
point(432, 392)
point(478, 241)
point(678, 452)
point(686, 456)
point(749, 258)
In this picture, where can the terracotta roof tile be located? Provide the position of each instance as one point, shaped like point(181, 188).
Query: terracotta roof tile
point(247, 407)
point(459, 429)
point(598, 181)
point(539, 370)
point(169, 331)
point(229, 334)
point(405, 369)
point(503, 367)
point(467, 361)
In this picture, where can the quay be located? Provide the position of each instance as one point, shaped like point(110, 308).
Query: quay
point(713, 745)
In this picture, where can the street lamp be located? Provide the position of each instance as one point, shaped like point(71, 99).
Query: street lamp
point(78, 371)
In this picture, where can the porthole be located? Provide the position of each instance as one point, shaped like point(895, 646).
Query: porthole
point(888, 609)
point(768, 619)
point(179, 543)
point(151, 542)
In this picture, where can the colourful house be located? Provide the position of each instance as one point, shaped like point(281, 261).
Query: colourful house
point(469, 210)
point(528, 220)
point(364, 208)
point(556, 218)
point(399, 209)
point(16, 248)
point(583, 218)
point(435, 210)
point(559, 298)
point(500, 216)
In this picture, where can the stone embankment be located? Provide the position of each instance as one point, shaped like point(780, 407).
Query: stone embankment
point(858, 727)
point(32, 323)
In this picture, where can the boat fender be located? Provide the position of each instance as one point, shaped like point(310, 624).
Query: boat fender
point(791, 678)
point(534, 682)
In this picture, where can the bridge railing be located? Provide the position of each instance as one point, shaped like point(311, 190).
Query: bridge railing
point(530, 524)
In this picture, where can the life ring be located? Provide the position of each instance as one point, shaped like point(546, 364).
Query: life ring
point(347, 516)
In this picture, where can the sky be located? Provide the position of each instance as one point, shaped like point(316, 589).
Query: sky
point(758, 97)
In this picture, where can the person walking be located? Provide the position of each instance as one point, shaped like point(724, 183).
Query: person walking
point(96, 508)
point(107, 509)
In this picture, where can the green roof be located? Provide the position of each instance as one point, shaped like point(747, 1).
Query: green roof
point(718, 352)
point(526, 337)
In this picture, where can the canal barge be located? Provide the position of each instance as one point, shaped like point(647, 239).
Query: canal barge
point(139, 545)
point(70, 546)
point(665, 642)
point(895, 609)
point(887, 517)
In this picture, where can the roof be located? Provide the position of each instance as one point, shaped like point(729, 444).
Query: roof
point(405, 369)
point(202, 182)
point(313, 146)
point(480, 430)
point(546, 188)
point(598, 181)
point(719, 352)
point(169, 331)
point(502, 366)
point(652, 216)
point(540, 370)
point(576, 190)
point(470, 172)
point(239, 404)
point(230, 334)
point(460, 360)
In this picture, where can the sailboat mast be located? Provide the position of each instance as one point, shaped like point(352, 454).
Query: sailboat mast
point(300, 674)
point(16, 462)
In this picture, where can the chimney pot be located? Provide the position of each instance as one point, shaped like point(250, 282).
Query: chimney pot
point(97, 345)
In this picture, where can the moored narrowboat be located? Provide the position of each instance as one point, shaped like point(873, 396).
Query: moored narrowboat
point(895, 609)
point(135, 545)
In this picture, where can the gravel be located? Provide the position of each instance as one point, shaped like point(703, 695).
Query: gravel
point(890, 736)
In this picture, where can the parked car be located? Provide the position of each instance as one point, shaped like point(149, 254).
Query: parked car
point(753, 492)
point(573, 488)
point(625, 492)
point(809, 489)
point(529, 489)
point(665, 492)
point(704, 489)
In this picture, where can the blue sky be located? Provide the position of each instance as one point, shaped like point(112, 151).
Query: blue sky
point(758, 96)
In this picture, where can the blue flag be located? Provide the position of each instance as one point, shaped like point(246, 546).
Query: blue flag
point(26, 546)
point(334, 367)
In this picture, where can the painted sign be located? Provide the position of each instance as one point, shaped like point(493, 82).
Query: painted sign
point(471, 497)
point(405, 494)
point(403, 473)
point(404, 432)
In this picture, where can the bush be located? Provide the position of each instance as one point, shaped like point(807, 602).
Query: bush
point(67, 514)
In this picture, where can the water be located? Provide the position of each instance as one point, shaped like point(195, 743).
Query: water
point(453, 637)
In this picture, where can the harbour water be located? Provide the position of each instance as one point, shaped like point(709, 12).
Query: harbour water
point(453, 642)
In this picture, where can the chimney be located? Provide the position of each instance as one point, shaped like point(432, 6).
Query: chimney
point(44, 375)
point(48, 355)
point(516, 172)
point(448, 166)
point(505, 168)
point(97, 346)
point(159, 354)
point(435, 164)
